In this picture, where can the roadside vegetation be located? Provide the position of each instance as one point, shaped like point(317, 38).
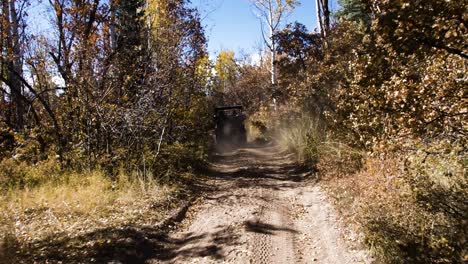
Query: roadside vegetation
point(74, 204)
point(102, 123)
point(381, 112)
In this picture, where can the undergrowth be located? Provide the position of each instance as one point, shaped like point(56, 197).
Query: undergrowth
point(48, 202)
point(43, 199)
point(409, 204)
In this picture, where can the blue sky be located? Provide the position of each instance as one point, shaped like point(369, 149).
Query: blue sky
point(231, 24)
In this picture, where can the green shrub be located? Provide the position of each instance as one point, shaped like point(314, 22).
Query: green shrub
point(16, 173)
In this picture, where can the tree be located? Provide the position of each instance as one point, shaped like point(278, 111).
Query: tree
point(240, 82)
point(12, 36)
point(356, 11)
point(296, 46)
point(75, 50)
point(271, 14)
point(323, 16)
point(226, 70)
point(130, 46)
point(116, 84)
point(417, 26)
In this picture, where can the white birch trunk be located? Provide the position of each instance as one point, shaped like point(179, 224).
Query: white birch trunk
point(271, 23)
point(113, 34)
point(319, 18)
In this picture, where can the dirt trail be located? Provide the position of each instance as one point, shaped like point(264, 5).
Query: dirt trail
point(263, 208)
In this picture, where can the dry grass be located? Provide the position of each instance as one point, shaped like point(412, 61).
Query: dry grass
point(303, 137)
point(76, 203)
point(309, 140)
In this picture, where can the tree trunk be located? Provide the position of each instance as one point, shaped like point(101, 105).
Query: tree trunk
point(14, 59)
point(271, 24)
point(17, 65)
point(113, 34)
point(319, 17)
point(273, 54)
point(6, 114)
point(326, 16)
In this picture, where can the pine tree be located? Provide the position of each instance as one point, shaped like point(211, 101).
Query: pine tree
point(355, 10)
point(130, 46)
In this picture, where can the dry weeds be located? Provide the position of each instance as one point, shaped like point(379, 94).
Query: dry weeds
point(78, 204)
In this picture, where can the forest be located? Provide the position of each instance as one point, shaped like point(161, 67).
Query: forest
point(108, 114)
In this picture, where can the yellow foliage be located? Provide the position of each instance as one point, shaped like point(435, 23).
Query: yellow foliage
point(226, 67)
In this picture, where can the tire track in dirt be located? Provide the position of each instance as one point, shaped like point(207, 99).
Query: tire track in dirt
point(263, 208)
point(274, 233)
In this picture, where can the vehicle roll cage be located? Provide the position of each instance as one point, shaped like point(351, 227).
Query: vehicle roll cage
point(228, 108)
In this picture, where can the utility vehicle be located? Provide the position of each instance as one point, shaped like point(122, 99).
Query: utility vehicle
point(230, 128)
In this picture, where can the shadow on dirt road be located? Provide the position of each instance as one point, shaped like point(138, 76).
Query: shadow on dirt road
point(268, 207)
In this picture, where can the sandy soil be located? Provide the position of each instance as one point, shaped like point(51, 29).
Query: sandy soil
point(262, 208)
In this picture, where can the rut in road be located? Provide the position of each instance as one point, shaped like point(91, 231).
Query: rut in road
point(263, 209)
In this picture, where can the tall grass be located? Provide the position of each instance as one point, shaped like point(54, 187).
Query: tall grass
point(308, 138)
point(73, 202)
point(303, 137)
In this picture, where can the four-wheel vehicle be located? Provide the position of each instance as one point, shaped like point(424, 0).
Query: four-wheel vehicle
point(230, 128)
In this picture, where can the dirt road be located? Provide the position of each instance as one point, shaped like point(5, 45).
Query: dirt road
point(262, 208)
